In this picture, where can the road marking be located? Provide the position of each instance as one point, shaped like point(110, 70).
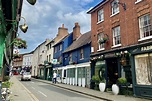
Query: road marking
point(33, 88)
point(32, 82)
point(42, 93)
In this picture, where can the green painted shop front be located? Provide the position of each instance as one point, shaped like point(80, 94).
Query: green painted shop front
point(142, 70)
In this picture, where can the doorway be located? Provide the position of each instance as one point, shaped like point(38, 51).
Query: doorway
point(112, 71)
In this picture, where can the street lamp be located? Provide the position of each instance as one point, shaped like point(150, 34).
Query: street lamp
point(32, 2)
point(24, 27)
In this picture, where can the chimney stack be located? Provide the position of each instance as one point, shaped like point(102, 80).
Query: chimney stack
point(76, 31)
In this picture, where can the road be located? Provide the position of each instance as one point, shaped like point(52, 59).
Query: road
point(46, 92)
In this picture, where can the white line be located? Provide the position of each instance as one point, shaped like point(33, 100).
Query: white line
point(32, 82)
point(42, 93)
point(33, 88)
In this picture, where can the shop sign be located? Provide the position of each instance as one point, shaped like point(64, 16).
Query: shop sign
point(146, 48)
point(110, 55)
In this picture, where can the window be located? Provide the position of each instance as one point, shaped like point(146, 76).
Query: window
point(70, 57)
point(100, 15)
point(115, 7)
point(143, 69)
point(50, 46)
point(55, 49)
point(60, 47)
point(116, 36)
point(100, 36)
point(49, 57)
point(81, 54)
point(145, 26)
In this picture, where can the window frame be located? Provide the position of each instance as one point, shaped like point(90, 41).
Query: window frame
point(114, 8)
point(82, 53)
point(100, 46)
point(100, 15)
point(143, 26)
point(116, 36)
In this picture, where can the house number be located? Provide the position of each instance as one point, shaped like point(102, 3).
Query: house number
point(146, 48)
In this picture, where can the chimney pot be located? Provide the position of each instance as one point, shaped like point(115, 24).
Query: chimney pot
point(62, 25)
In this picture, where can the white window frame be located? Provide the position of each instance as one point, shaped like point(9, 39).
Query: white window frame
point(138, 1)
point(114, 8)
point(100, 15)
point(100, 46)
point(82, 53)
point(116, 36)
point(145, 27)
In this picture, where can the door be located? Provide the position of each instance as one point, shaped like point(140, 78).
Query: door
point(112, 71)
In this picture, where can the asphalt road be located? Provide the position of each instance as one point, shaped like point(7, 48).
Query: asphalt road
point(46, 92)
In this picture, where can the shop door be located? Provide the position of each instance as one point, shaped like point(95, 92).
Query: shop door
point(112, 71)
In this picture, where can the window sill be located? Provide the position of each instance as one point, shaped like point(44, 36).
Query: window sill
point(116, 46)
point(138, 1)
point(100, 21)
point(114, 14)
point(81, 58)
point(145, 38)
point(101, 49)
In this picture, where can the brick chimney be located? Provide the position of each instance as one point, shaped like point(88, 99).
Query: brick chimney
point(76, 31)
point(61, 33)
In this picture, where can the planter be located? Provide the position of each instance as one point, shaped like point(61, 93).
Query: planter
point(115, 89)
point(102, 87)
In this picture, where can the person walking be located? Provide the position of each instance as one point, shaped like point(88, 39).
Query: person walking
point(54, 77)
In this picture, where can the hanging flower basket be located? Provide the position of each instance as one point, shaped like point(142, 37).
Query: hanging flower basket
point(19, 43)
point(16, 56)
point(103, 40)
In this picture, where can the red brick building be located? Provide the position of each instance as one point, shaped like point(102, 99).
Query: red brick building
point(121, 43)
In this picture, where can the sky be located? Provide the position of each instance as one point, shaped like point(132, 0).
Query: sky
point(46, 16)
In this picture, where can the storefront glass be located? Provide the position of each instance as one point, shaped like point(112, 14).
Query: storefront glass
point(143, 68)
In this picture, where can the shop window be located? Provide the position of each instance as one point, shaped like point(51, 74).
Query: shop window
point(145, 26)
point(143, 69)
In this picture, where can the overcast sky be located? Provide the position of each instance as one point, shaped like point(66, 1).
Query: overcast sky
point(46, 16)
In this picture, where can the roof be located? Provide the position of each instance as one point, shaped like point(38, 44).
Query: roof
point(84, 39)
point(61, 40)
point(96, 7)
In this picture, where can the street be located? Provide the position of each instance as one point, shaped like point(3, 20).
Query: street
point(46, 92)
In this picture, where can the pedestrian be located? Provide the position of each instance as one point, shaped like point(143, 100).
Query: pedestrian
point(54, 77)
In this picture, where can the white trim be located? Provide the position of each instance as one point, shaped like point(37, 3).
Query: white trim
point(99, 22)
point(145, 38)
point(138, 1)
point(101, 49)
point(116, 46)
point(114, 14)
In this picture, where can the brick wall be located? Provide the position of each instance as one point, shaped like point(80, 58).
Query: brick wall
point(126, 19)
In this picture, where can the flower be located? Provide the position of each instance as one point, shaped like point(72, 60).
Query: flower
point(102, 40)
point(19, 43)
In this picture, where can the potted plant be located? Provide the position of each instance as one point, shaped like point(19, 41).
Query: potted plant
point(96, 80)
point(102, 85)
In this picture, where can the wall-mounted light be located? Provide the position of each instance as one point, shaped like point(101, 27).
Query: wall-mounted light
point(23, 27)
point(122, 4)
point(32, 2)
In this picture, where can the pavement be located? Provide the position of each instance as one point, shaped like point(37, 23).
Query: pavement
point(20, 93)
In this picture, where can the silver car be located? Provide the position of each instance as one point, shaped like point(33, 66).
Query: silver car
point(26, 76)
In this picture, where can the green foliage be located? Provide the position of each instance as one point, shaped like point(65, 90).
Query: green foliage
point(96, 78)
point(6, 78)
point(6, 84)
point(18, 42)
point(122, 80)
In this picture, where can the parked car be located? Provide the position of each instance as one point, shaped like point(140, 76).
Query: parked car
point(26, 76)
